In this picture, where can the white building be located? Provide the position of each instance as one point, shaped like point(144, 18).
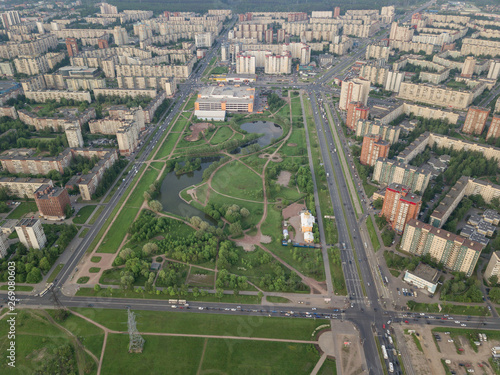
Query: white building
point(204, 40)
point(424, 277)
point(355, 90)
point(31, 233)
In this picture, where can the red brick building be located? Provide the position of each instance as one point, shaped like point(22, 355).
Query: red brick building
point(72, 47)
point(400, 206)
point(103, 43)
point(374, 147)
point(475, 120)
point(356, 111)
point(52, 201)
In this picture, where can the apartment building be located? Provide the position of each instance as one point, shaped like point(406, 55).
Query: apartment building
point(57, 95)
point(126, 131)
point(414, 47)
point(10, 18)
point(23, 186)
point(457, 253)
point(6, 68)
point(278, 64)
point(245, 63)
point(70, 118)
point(468, 67)
point(493, 268)
point(494, 70)
point(478, 47)
point(377, 52)
point(355, 90)
point(33, 65)
point(38, 46)
point(120, 35)
point(356, 111)
point(440, 95)
point(400, 206)
point(204, 40)
point(386, 132)
point(153, 105)
point(125, 92)
point(389, 171)
point(4, 245)
point(494, 129)
point(52, 202)
point(169, 85)
point(22, 161)
point(177, 71)
point(401, 33)
point(74, 136)
point(108, 9)
point(475, 120)
point(376, 74)
point(373, 148)
point(31, 234)
point(87, 184)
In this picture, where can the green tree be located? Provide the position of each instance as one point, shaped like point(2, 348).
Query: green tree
point(97, 287)
point(493, 280)
point(155, 205)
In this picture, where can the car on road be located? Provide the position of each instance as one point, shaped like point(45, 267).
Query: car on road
point(463, 325)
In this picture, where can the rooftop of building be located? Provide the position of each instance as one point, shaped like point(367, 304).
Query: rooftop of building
point(426, 273)
point(491, 214)
point(48, 191)
point(455, 191)
point(405, 192)
point(226, 92)
point(423, 169)
point(28, 222)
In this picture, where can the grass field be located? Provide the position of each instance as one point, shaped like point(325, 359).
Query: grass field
point(116, 233)
point(95, 259)
point(373, 234)
point(183, 355)
point(236, 180)
point(37, 338)
point(206, 324)
point(83, 215)
point(168, 145)
point(54, 273)
point(23, 209)
point(137, 196)
point(223, 134)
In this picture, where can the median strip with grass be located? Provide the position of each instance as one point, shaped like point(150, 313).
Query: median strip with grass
point(372, 233)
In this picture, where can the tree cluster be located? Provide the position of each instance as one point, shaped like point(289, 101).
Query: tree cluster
point(461, 289)
point(109, 177)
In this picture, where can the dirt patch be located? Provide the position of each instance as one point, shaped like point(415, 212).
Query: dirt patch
point(245, 245)
point(284, 178)
point(350, 358)
point(197, 131)
point(277, 158)
point(265, 239)
point(293, 210)
point(158, 238)
point(291, 144)
point(264, 156)
point(429, 362)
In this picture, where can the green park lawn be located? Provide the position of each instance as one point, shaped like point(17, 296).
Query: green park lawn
point(222, 134)
point(23, 209)
point(206, 324)
point(37, 338)
point(236, 180)
point(82, 216)
point(188, 355)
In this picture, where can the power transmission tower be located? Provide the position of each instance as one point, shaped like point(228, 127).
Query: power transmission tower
point(136, 341)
